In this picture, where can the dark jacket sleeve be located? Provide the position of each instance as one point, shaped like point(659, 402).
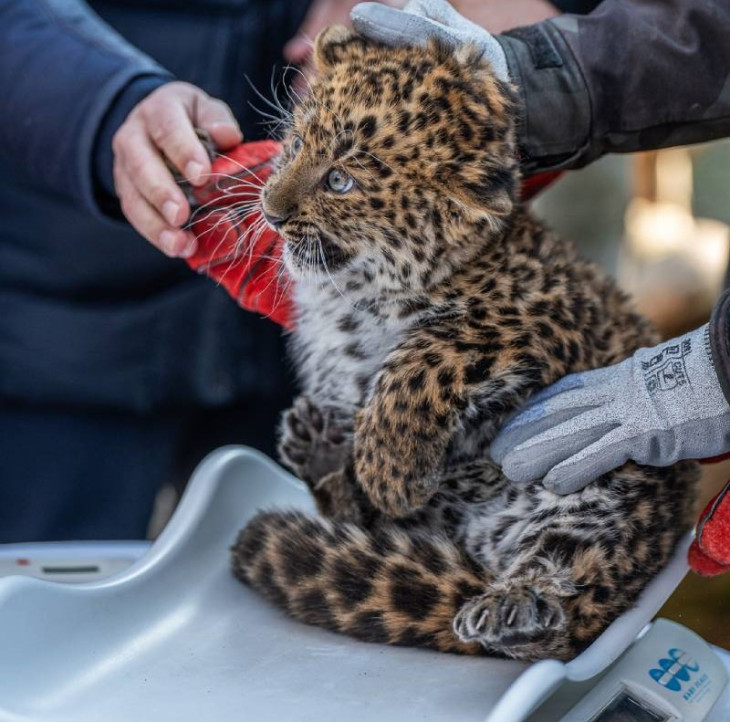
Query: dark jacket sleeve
point(632, 75)
point(719, 335)
point(61, 70)
point(576, 6)
point(102, 153)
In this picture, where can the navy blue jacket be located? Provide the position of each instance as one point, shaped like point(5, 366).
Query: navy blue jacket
point(90, 314)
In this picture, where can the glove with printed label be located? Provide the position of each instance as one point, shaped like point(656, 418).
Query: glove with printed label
point(661, 405)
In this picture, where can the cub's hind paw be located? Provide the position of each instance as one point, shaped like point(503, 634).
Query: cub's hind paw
point(315, 441)
point(509, 618)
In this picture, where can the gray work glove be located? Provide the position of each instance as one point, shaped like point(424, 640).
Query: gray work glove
point(421, 20)
point(659, 406)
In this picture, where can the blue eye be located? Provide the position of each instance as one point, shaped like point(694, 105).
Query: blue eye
point(296, 144)
point(339, 182)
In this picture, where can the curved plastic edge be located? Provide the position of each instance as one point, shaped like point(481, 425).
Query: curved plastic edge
point(185, 521)
point(543, 678)
point(536, 684)
point(62, 550)
point(215, 471)
point(193, 507)
point(624, 630)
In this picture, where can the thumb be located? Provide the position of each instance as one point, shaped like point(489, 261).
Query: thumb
point(298, 50)
point(438, 10)
point(216, 117)
point(382, 23)
point(398, 28)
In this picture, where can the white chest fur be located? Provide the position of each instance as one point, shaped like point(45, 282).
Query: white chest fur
point(339, 347)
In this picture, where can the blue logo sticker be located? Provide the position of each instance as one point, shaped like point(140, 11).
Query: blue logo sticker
point(674, 670)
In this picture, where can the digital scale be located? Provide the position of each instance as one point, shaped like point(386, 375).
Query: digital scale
point(669, 674)
point(165, 633)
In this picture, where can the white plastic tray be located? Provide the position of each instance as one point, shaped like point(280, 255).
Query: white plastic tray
point(70, 562)
point(176, 638)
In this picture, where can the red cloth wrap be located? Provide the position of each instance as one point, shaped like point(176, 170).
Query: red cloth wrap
point(242, 253)
point(237, 249)
point(709, 554)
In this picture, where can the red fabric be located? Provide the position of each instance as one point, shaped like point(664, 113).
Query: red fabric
point(714, 459)
point(533, 184)
point(242, 253)
point(710, 551)
point(702, 564)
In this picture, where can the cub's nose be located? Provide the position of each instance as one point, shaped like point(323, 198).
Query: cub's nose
point(278, 220)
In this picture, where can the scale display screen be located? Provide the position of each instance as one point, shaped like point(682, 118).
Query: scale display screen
point(669, 674)
point(626, 708)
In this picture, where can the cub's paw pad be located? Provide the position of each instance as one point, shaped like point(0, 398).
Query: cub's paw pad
point(315, 441)
point(509, 618)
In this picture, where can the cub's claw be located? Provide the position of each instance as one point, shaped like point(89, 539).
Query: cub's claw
point(508, 618)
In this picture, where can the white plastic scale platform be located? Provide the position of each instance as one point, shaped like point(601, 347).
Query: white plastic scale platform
point(174, 637)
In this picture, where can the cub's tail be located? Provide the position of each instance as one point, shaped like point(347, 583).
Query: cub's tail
point(391, 587)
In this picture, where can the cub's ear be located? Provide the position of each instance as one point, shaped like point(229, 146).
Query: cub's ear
point(336, 44)
point(483, 192)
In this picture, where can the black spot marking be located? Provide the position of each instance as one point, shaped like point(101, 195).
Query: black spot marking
point(269, 588)
point(349, 583)
point(368, 125)
point(411, 595)
point(348, 323)
point(303, 560)
point(446, 377)
point(477, 372)
point(411, 637)
point(370, 627)
point(314, 609)
point(417, 380)
point(376, 203)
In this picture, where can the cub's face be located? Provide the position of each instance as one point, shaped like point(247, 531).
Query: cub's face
point(393, 165)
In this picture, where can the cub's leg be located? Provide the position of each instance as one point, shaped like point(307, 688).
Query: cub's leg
point(396, 587)
point(566, 567)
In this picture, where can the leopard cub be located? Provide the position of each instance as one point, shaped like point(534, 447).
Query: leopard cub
point(431, 304)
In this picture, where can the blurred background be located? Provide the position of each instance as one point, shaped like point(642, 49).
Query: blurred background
point(659, 222)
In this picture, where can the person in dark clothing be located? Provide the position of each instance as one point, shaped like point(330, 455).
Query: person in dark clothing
point(119, 367)
point(632, 75)
point(111, 353)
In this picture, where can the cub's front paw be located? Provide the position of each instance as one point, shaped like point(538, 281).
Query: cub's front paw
point(390, 471)
point(315, 441)
point(510, 618)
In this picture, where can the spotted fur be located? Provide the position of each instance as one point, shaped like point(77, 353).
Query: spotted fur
point(430, 305)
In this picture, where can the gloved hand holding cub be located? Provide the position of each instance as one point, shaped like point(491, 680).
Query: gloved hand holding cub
point(661, 405)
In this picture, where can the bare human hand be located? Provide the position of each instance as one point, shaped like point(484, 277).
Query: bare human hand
point(163, 126)
point(321, 14)
point(298, 51)
point(498, 16)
